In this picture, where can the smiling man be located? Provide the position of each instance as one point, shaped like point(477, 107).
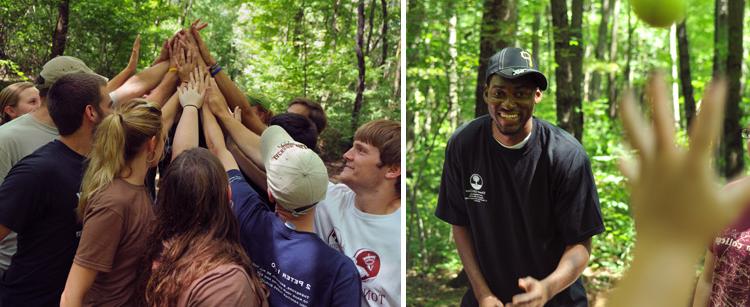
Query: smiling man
point(361, 216)
point(520, 195)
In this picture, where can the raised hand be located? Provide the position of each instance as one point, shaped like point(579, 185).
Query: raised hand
point(676, 199)
point(185, 61)
point(134, 54)
point(216, 101)
point(205, 53)
point(193, 92)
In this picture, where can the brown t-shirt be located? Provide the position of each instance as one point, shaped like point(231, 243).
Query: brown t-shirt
point(226, 285)
point(116, 224)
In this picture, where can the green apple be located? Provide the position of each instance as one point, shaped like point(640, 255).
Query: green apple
point(659, 13)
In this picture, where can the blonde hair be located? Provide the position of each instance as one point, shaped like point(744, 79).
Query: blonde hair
point(9, 97)
point(118, 139)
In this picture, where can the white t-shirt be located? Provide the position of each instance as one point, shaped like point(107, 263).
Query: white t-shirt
point(372, 241)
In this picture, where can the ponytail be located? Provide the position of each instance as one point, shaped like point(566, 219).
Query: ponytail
point(118, 139)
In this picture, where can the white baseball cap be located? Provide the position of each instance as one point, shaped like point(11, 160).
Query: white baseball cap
point(60, 66)
point(295, 174)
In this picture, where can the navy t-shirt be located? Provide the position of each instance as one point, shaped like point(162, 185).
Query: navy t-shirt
point(522, 206)
point(38, 200)
point(298, 267)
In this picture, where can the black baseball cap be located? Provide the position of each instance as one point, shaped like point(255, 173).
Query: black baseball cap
point(512, 63)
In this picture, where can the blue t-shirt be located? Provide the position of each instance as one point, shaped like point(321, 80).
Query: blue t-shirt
point(298, 268)
point(38, 200)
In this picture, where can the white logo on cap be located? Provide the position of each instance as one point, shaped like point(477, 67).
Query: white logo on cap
point(520, 71)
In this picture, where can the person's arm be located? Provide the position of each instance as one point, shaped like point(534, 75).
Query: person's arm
point(166, 88)
point(212, 131)
point(229, 89)
point(247, 166)
point(191, 99)
point(168, 112)
point(129, 70)
point(248, 141)
point(79, 282)
point(141, 83)
point(705, 283)
point(465, 247)
point(571, 265)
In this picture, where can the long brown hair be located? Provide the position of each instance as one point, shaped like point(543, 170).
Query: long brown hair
point(118, 139)
point(196, 230)
point(9, 97)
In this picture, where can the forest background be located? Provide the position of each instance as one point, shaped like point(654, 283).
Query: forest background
point(343, 54)
point(590, 51)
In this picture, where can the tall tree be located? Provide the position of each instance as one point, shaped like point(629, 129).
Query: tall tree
point(360, 65)
point(732, 142)
point(569, 71)
point(612, 88)
point(384, 32)
point(720, 36)
point(601, 48)
point(498, 31)
point(60, 35)
point(686, 79)
point(452, 68)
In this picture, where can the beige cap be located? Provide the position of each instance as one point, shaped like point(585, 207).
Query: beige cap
point(295, 174)
point(60, 66)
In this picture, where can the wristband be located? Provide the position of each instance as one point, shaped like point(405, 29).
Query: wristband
point(190, 105)
point(216, 71)
point(172, 69)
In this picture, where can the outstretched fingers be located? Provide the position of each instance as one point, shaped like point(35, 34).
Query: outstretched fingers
point(705, 130)
point(663, 120)
point(636, 128)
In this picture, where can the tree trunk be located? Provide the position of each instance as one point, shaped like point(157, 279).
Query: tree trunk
point(685, 77)
point(370, 26)
point(358, 100)
point(720, 37)
point(601, 50)
point(497, 32)
point(612, 87)
point(384, 32)
point(535, 36)
point(453, 69)
point(568, 55)
point(60, 35)
point(732, 142)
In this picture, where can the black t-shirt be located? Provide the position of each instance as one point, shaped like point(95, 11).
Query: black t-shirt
point(522, 206)
point(38, 200)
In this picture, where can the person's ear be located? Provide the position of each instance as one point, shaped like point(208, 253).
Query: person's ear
point(91, 113)
point(153, 142)
point(10, 111)
point(393, 172)
point(537, 96)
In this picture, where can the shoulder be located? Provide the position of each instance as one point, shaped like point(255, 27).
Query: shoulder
point(560, 144)
point(337, 195)
point(469, 130)
point(225, 285)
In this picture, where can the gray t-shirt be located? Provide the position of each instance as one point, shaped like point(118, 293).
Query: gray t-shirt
point(19, 138)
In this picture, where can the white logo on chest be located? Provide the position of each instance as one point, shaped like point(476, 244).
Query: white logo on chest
point(476, 181)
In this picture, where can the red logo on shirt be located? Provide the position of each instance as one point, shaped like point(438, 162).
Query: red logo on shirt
point(368, 264)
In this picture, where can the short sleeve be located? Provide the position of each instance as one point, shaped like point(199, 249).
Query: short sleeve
point(19, 204)
point(223, 288)
point(246, 203)
point(577, 212)
point(6, 162)
point(451, 207)
point(347, 289)
point(102, 231)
